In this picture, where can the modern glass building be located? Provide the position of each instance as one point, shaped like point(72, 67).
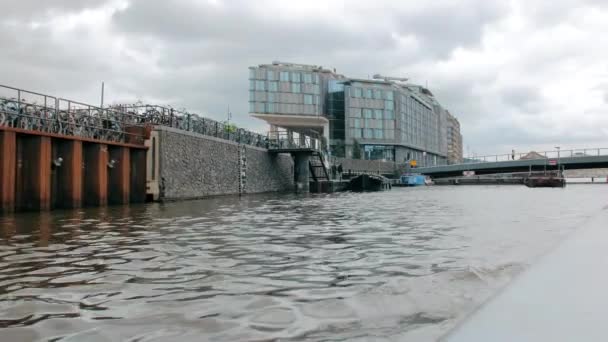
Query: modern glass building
point(387, 119)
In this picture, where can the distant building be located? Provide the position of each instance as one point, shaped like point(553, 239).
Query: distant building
point(389, 118)
point(454, 140)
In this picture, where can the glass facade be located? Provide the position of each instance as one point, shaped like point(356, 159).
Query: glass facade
point(336, 115)
point(379, 152)
point(419, 123)
point(273, 90)
point(378, 122)
point(273, 86)
point(391, 120)
point(284, 76)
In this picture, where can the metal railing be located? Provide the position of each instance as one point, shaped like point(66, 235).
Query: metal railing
point(183, 120)
point(554, 154)
point(39, 112)
point(32, 111)
point(292, 141)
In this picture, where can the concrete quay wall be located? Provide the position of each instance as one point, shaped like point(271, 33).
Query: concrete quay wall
point(192, 166)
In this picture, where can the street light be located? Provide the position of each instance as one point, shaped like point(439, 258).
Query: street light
point(558, 158)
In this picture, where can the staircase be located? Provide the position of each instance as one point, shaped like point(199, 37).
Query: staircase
point(318, 171)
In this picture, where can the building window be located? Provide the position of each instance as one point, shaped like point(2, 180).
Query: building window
point(357, 123)
point(317, 99)
point(357, 92)
point(269, 107)
point(252, 96)
point(378, 134)
point(379, 124)
point(389, 115)
point(270, 75)
point(367, 113)
point(369, 133)
point(355, 112)
point(307, 99)
point(356, 133)
point(368, 93)
point(316, 89)
point(316, 78)
point(378, 114)
point(251, 73)
point(273, 86)
point(284, 76)
point(260, 85)
point(307, 78)
point(389, 105)
point(295, 87)
point(251, 85)
point(378, 94)
point(295, 77)
point(389, 95)
point(270, 97)
point(251, 107)
point(369, 123)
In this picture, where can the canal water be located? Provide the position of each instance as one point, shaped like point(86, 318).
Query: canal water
point(406, 264)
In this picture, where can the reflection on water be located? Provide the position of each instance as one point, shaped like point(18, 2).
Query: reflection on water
point(393, 265)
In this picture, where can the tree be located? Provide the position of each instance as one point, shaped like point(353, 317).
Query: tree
point(230, 128)
point(356, 150)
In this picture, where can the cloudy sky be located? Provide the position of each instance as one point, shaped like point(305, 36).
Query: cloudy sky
point(518, 74)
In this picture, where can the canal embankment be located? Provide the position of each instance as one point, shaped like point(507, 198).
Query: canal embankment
point(192, 165)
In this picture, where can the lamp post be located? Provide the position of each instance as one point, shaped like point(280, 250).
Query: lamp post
point(558, 158)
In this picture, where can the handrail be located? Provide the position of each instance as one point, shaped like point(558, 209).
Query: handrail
point(68, 117)
point(542, 155)
point(291, 141)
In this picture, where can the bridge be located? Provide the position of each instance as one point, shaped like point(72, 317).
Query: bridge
point(534, 161)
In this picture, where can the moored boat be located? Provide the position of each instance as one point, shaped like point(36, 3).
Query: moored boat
point(413, 180)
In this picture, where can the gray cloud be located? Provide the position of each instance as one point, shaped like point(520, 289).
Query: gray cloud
point(28, 10)
point(505, 69)
point(441, 29)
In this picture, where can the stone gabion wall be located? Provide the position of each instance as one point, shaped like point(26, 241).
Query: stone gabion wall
point(196, 166)
point(268, 172)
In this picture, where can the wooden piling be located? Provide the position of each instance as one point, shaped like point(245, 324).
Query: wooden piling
point(119, 185)
point(96, 174)
point(138, 176)
point(8, 160)
point(68, 176)
point(33, 176)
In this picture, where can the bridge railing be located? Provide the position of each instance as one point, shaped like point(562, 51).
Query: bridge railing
point(546, 155)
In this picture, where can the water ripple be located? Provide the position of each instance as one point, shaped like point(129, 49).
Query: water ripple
point(389, 265)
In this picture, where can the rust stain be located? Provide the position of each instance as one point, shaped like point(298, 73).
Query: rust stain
point(8, 159)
